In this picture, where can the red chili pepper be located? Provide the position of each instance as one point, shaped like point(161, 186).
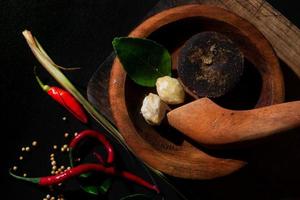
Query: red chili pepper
point(100, 137)
point(84, 168)
point(81, 169)
point(65, 99)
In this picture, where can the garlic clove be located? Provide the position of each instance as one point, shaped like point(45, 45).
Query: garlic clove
point(170, 90)
point(153, 109)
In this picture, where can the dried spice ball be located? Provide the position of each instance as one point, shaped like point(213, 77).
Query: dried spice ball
point(170, 90)
point(209, 64)
point(153, 109)
point(34, 143)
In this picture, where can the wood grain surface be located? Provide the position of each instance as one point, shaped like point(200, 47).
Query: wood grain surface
point(210, 124)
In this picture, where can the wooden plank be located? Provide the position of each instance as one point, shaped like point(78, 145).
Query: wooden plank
point(97, 90)
point(282, 34)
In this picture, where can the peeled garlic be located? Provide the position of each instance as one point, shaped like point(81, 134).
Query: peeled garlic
point(153, 109)
point(170, 90)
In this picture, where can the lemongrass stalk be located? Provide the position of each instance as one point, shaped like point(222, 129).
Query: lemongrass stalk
point(39, 46)
point(52, 68)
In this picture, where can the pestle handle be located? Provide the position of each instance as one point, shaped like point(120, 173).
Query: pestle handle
point(207, 123)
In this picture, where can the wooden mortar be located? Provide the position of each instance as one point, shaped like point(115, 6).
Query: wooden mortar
point(162, 147)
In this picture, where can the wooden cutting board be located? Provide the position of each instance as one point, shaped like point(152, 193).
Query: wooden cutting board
point(282, 34)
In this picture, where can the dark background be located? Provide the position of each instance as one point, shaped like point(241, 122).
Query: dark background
point(79, 34)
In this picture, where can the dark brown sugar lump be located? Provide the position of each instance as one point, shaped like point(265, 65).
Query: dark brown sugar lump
point(209, 64)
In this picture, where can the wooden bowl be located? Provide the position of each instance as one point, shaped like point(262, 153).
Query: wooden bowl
point(162, 147)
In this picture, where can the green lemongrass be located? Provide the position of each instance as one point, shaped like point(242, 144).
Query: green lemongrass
point(39, 46)
point(54, 71)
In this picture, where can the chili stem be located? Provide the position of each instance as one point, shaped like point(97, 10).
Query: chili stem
point(43, 86)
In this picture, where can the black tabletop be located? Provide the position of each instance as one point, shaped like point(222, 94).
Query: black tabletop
point(79, 34)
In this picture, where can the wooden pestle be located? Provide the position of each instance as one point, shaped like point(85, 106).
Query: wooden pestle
point(209, 124)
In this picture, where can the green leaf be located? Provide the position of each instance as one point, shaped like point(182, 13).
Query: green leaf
point(104, 187)
point(90, 182)
point(144, 60)
point(96, 188)
point(91, 189)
